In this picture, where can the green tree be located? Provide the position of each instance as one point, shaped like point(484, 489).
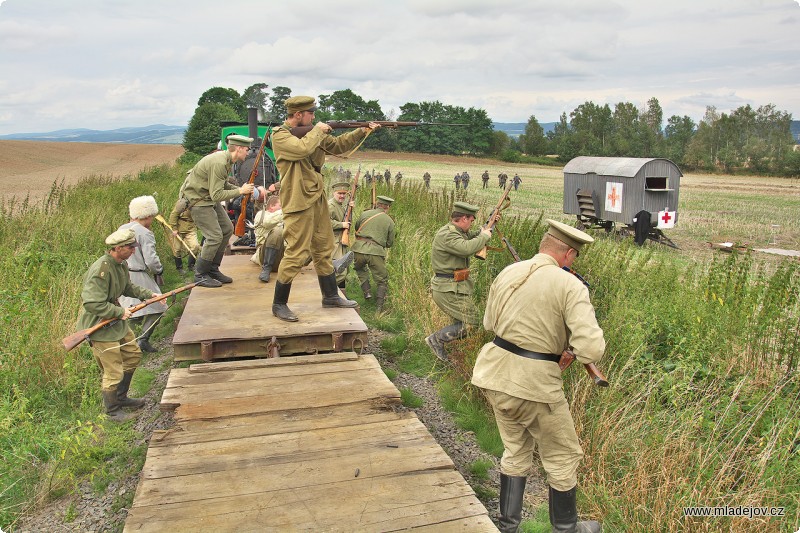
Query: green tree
point(677, 136)
point(474, 139)
point(533, 141)
point(500, 143)
point(651, 119)
point(347, 105)
point(625, 140)
point(255, 96)
point(591, 128)
point(228, 97)
point(203, 132)
point(277, 110)
point(562, 140)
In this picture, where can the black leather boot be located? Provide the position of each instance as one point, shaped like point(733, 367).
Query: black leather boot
point(217, 275)
point(512, 489)
point(122, 392)
point(201, 274)
point(564, 514)
point(266, 266)
point(438, 339)
point(340, 265)
point(279, 301)
point(179, 264)
point(330, 293)
point(380, 297)
point(148, 326)
point(113, 408)
point(367, 290)
point(190, 262)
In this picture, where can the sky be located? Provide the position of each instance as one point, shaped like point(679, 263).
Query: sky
point(106, 64)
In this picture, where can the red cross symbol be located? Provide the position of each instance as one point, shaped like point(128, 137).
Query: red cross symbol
point(613, 196)
point(666, 218)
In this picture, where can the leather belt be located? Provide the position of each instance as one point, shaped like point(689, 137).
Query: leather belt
point(438, 275)
point(132, 270)
point(513, 348)
point(367, 239)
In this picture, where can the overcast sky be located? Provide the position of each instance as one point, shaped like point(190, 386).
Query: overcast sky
point(105, 64)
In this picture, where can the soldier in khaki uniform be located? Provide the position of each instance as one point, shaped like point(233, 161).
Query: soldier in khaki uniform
point(485, 178)
point(337, 208)
point(183, 226)
point(519, 372)
point(307, 222)
point(452, 287)
point(205, 188)
point(427, 179)
point(113, 346)
point(268, 226)
point(374, 234)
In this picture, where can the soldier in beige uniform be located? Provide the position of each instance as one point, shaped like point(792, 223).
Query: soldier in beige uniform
point(520, 376)
point(183, 226)
point(205, 187)
point(307, 222)
point(113, 346)
point(268, 226)
point(451, 285)
point(337, 208)
point(374, 235)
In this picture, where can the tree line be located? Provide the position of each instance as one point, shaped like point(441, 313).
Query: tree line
point(745, 140)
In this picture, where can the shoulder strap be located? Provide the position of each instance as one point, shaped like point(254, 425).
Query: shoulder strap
point(365, 222)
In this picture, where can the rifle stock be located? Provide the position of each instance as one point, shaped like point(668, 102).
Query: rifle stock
point(74, 340)
point(348, 214)
point(493, 217)
point(240, 228)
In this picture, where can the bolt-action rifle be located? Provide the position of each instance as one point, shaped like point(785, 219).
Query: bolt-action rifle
point(78, 337)
point(348, 213)
point(240, 222)
point(494, 217)
point(300, 131)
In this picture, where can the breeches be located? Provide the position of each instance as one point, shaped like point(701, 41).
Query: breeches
point(376, 265)
point(190, 238)
point(307, 233)
point(213, 222)
point(523, 424)
point(114, 359)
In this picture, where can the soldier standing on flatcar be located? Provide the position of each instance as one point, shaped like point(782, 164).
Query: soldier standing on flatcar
point(205, 188)
point(452, 287)
point(306, 219)
point(268, 228)
point(113, 346)
point(519, 373)
point(374, 235)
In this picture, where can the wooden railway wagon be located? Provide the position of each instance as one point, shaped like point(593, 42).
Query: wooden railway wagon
point(641, 194)
point(315, 442)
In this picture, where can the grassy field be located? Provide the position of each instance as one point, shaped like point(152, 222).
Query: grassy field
point(702, 346)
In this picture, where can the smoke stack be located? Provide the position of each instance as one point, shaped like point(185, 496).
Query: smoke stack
point(252, 122)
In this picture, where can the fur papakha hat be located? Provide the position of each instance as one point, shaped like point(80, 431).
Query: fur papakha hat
point(143, 207)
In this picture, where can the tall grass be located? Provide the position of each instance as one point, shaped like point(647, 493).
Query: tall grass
point(703, 358)
point(50, 431)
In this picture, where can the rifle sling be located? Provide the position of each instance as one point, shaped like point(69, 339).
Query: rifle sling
point(513, 348)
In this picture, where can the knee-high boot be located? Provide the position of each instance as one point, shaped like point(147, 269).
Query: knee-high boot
point(564, 513)
point(512, 489)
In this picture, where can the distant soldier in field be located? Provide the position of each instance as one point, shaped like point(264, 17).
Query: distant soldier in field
point(451, 285)
point(205, 188)
point(378, 176)
point(427, 179)
point(457, 180)
point(307, 223)
point(397, 178)
point(502, 178)
point(516, 181)
point(465, 179)
point(387, 176)
point(367, 178)
point(113, 346)
point(337, 207)
point(183, 226)
point(485, 178)
point(268, 227)
point(374, 233)
point(145, 267)
point(520, 377)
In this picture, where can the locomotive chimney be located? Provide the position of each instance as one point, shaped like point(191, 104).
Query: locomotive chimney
point(252, 122)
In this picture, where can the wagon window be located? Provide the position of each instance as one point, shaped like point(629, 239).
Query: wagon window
point(655, 183)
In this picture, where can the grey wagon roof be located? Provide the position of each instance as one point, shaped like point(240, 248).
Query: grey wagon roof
point(626, 167)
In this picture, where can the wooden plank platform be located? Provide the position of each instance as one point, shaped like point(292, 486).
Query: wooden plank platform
point(308, 443)
point(236, 320)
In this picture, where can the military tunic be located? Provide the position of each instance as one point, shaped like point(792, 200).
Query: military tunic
point(268, 227)
point(451, 251)
point(104, 283)
point(374, 233)
point(205, 187)
point(143, 265)
point(180, 219)
point(307, 223)
point(337, 211)
point(527, 394)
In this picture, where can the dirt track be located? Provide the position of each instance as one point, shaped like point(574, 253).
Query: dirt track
point(31, 167)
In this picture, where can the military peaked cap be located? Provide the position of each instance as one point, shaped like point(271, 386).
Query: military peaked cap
point(464, 208)
point(299, 103)
point(239, 140)
point(122, 237)
point(573, 237)
point(384, 200)
point(341, 186)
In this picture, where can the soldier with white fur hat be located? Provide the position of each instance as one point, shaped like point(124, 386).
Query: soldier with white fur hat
point(113, 346)
point(145, 267)
point(536, 311)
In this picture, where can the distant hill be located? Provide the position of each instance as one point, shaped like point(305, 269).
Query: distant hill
point(515, 129)
point(155, 134)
